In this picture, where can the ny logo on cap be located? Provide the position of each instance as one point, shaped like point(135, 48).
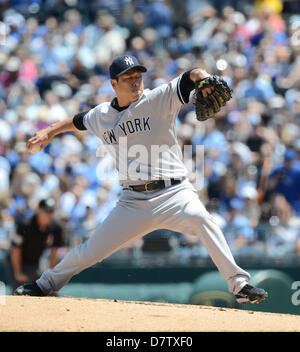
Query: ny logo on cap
point(128, 60)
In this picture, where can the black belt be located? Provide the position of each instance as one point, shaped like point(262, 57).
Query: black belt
point(153, 186)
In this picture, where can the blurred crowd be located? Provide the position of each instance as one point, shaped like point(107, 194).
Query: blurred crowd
point(54, 58)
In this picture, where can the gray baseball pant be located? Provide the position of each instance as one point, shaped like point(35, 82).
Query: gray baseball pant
point(177, 208)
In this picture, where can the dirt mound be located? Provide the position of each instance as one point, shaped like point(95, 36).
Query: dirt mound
point(82, 314)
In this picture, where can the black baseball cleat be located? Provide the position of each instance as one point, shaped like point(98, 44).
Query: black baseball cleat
point(251, 294)
point(29, 289)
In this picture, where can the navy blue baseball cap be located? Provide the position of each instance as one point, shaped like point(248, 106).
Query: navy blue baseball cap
point(47, 204)
point(124, 63)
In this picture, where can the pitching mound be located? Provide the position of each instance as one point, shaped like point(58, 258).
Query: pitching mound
point(82, 314)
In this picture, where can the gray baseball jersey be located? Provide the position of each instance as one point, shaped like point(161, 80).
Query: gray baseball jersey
point(142, 138)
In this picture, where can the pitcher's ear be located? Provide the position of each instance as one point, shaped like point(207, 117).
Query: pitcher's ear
point(114, 82)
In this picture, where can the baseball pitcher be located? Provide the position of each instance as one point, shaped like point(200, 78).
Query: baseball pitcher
point(155, 192)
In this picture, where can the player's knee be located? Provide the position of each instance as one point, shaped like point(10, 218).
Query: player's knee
point(204, 221)
point(196, 215)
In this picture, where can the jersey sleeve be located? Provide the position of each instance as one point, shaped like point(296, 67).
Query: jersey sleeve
point(185, 87)
point(167, 94)
point(169, 97)
point(91, 122)
point(78, 121)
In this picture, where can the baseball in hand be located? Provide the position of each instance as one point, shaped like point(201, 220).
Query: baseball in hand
point(35, 148)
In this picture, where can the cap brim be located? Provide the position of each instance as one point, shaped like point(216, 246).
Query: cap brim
point(142, 68)
point(48, 209)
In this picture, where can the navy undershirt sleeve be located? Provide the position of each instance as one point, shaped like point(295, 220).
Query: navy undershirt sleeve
point(78, 121)
point(186, 85)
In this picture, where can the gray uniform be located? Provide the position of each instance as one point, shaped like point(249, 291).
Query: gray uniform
point(144, 128)
point(146, 124)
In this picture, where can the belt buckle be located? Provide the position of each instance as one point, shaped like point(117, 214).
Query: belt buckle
point(146, 186)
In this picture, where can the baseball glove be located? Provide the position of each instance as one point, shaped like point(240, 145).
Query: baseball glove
point(207, 107)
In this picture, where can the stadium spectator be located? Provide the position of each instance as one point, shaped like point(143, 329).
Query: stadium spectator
point(31, 238)
point(285, 229)
point(285, 179)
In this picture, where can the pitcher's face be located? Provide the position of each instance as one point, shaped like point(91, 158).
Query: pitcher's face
point(129, 86)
